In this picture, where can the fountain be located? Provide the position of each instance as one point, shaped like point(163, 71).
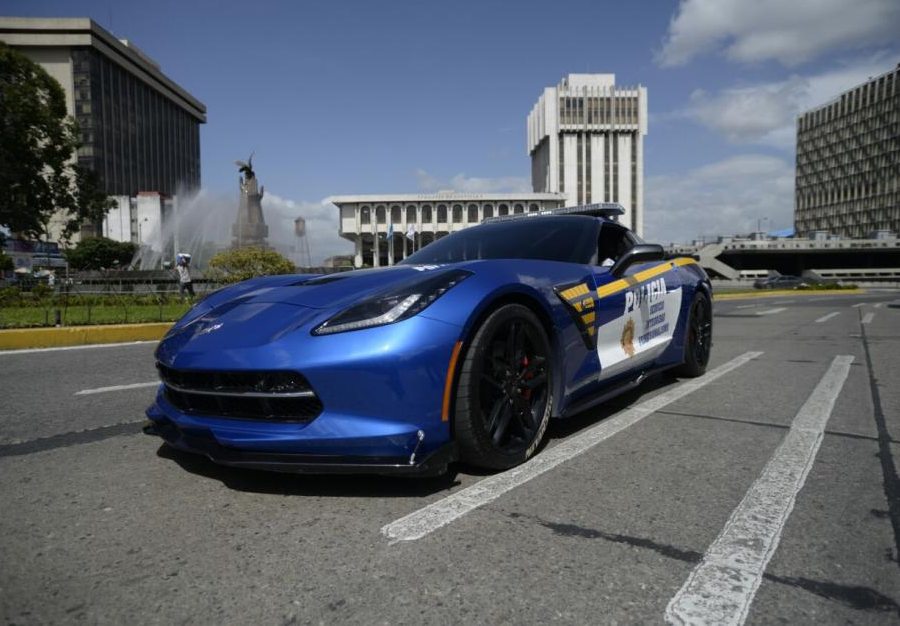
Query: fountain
point(196, 224)
point(192, 224)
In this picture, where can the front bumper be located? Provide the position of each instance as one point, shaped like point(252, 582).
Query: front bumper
point(433, 464)
point(381, 393)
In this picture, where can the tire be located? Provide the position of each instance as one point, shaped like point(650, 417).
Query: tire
point(504, 391)
point(698, 338)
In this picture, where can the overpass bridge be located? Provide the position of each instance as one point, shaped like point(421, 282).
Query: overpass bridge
point(822, 257)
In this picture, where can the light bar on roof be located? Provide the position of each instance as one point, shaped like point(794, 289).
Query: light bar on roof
point(609, 210)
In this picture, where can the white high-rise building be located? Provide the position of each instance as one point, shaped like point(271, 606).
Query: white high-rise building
point(586, 141)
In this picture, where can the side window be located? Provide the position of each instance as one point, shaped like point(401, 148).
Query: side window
point(613, 242)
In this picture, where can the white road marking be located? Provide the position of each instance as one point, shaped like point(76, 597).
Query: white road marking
point(85, 392)
point(859, 304)
point(747, 306)
point(878, 306)
point(432, 517)
point(721, 588)
point(771, 311)
point(825, 318)
point(784, 302)
point(93, 345)
point(867, 318)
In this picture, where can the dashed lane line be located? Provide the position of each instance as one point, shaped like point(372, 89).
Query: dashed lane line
point(825, 318)
point(85, 392)
point(426, 520)
point(747, 306)
point(771, 311)
point(858, 304)
point(721, 587)
point(878, 306)
point(867, 318)
point(88, 347)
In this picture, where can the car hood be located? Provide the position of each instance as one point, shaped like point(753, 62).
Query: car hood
point(259, 312)
point(236, 326)
point(338, 290)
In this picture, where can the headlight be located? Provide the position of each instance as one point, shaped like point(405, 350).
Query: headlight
point(400, 303)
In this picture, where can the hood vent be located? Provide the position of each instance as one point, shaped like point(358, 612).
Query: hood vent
point(321, 280)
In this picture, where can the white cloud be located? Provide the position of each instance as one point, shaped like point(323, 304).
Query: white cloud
point(471, 184)
point(722, 198)
point(321, 227)
point(789, 31)
point(766, 113)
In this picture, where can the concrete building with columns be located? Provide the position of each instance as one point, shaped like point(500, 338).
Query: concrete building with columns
point(585, 139)
point(366, 220)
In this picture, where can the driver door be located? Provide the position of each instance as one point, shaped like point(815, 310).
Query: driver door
point(633, 308)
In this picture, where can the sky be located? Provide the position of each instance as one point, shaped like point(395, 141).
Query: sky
point(344, 97)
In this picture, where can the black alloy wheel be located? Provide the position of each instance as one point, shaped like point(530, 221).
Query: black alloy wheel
point(698, 340)
point(504, 392)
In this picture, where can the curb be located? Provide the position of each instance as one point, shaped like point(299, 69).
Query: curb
point(777, 293)
point(18, 338)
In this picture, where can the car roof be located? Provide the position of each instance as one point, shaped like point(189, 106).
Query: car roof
point(606, 211)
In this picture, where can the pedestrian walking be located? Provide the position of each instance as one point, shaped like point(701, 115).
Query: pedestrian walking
point(184, 276)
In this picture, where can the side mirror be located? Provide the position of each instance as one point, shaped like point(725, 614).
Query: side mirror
point(641, 253)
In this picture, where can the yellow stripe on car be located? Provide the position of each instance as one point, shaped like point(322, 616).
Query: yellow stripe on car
point(644, 275)
point(574, 292)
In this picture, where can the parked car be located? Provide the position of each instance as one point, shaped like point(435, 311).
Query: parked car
point(464, 350)
point(778, 282)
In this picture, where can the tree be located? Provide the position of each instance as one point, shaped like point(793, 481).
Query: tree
point(38, 178)
point(244, 263)
point(98, 253)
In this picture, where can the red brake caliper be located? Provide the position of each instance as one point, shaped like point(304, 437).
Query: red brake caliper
point(526, 393)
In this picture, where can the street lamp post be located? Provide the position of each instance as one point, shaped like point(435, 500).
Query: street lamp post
point(141, 239)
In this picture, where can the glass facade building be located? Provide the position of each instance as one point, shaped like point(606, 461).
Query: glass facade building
point(133, 136)
point(848, 162)
point(140, 131)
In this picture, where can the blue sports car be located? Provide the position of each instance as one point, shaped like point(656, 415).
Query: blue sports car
point(464, 351)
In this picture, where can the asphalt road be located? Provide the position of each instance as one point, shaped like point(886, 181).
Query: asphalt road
point(769, 489)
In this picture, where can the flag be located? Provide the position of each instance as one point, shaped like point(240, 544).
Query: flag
point(390, 233)
point(411, 233)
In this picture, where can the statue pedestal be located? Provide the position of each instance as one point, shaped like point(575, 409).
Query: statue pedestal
point(249, 235)
point(250, 230)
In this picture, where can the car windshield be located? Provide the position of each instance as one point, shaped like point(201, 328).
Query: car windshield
point(565, 238)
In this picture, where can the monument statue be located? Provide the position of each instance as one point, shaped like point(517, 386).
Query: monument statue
point(250, 228)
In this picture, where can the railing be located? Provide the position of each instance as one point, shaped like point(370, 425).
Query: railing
point(107, 297)
point(72, 304)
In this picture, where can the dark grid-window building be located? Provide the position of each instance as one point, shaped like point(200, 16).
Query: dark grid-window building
point(848, 162)
point(140, 131)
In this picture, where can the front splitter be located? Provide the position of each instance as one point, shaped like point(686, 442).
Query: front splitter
point(433, 464)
